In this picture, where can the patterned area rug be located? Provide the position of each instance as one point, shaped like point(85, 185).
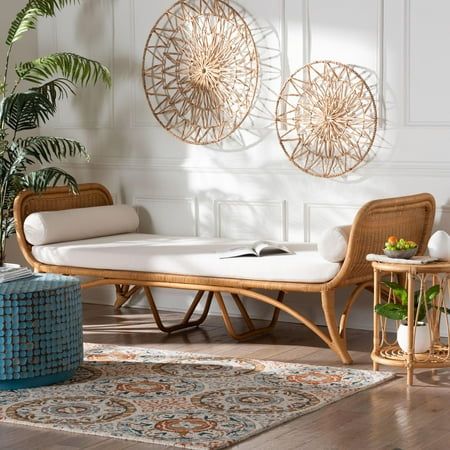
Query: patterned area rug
point(181, 399)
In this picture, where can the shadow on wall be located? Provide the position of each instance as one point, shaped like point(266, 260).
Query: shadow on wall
point(13, 253)
point(261, 119)
point(442, 221)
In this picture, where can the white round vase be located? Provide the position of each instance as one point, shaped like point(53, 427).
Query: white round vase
point(422, 341)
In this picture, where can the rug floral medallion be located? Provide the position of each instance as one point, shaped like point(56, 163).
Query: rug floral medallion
point(181, 399)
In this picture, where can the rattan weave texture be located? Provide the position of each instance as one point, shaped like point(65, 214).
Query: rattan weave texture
point(200, 70)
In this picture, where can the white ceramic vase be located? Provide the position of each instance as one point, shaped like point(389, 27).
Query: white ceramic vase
point(422, 341)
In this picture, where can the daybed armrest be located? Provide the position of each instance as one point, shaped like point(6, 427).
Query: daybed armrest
point(54, 199)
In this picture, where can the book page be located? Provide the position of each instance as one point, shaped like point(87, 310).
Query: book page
point(237, 252)
point(263, 248)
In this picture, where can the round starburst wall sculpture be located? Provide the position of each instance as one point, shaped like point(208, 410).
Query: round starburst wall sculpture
point(200, 70)
point(326, 119)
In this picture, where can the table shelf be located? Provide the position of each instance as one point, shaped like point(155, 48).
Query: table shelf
point(393, 355)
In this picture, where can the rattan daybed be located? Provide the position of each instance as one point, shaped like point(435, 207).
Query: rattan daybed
point(411, 217)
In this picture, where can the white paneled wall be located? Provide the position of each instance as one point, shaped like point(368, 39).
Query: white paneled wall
point(427, 89)
point(246, 187)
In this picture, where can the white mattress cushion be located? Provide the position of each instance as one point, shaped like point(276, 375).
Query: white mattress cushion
point(333, 243)
point(48, 227)
point(187, 256)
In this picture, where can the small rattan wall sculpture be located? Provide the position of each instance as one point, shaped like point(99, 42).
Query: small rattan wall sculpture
point(326, 119)
point(200, 70)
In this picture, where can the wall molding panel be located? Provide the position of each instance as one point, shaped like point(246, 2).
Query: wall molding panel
point(408, 70)
point(381, 94)
point(137, 89)
point(242, 219)
point(59, 29)
point(300, 11)
point(403, 169)
point(171, 216)
point(443, 218)
point(320, 216)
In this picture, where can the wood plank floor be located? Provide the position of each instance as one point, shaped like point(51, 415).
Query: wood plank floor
point(389, 416)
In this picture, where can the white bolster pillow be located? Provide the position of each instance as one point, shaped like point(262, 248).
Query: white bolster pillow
point(48, 227)
point(333, 243)
point(439, 245)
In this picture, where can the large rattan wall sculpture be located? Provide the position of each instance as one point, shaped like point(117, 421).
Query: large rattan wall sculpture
point(200, 70)
point(326, 119)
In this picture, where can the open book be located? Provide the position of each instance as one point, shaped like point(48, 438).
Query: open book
point(259, 248)
point(11, 272)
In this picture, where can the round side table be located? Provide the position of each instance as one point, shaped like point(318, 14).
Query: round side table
point(41, 336)
point(417, 279)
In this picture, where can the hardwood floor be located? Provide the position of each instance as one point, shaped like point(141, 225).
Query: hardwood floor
point(389, 417)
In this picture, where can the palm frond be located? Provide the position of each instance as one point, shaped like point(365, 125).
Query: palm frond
point(12, 188)
point(76, 68)
point(27, 17)
point(16, 161)
point(41, 179)
point(24, 21)
point(26, 110)
point(45, 149)
point(3, 141)
point(9, 227)
point(56, 89)
point(51, 7)
point(13, 166)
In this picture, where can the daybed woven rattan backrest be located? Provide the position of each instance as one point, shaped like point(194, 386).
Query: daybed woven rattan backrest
point(54, 199)
point(409, 217)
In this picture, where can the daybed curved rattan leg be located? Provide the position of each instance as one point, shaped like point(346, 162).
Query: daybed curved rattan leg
point(252, 330)
point(124, 292)
point(338, 343)
point(359, 289)
point(186, 322)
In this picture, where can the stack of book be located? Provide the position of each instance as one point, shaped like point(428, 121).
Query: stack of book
point(11, 272)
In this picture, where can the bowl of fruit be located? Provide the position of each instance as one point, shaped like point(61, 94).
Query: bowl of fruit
point(399, 248)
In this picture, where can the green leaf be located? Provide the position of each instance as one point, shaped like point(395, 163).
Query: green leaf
point(45, 149)
point(10, 227)
point(75, 68)
point(3, 142)
point(41, 179)
point(26, 110)
point(24, 21)
point(51, 7)
point(392, 311)
point(431, 293)
point(26, 18)
point(13, 165)
point(422, 313)
point(399, 291)
point(56, 89)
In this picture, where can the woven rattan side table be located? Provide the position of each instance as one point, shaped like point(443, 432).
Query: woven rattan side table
point(416, 279)
point(41, 338)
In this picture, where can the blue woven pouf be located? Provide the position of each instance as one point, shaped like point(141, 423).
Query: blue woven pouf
point(41, 335)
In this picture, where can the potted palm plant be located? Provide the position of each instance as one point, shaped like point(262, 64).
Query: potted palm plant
point(27, 102)
point(423, 301)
